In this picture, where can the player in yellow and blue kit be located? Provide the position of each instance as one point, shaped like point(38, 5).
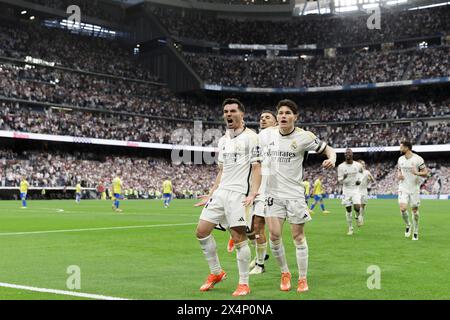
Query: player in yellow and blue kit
point(23, 192)
point(117, 193)
point(318, 195)
point(307, 186)
point(167, 192)
point(78, 193)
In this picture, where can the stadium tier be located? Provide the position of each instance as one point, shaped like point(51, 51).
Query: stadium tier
point(326, 31)
point(144, 174)
point(317, 71)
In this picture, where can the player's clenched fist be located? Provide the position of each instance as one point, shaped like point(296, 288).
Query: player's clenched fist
point(328, 164)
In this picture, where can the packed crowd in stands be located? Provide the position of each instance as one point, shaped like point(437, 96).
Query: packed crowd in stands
point(58, 169)
point(71, 89)
point(336, 30)
point(318, 71)
point(20, 40)
point(93, 54)
point(437, 134)
point(137, 128)
point(62, 169)
point(88, 91)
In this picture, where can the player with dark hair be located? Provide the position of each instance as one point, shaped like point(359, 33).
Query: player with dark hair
point(411, 167)
point(234, 191)
point(285, 148)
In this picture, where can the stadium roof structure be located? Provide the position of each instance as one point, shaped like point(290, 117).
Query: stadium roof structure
point(292, 7)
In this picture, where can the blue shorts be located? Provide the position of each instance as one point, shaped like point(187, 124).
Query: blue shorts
point(167, 195)
point(23, 195)
point(317, 197)
point(307, 197)
point(117, 196)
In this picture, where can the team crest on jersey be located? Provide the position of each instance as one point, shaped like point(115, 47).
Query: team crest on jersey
point(294, 145)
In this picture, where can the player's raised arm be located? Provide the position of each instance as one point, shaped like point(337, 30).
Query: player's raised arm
point(330, 162)
point(421, 170)
point(315, 144)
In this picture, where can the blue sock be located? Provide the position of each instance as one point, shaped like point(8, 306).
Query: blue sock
point(24, 203)
point(322, 207)
point(313, 205)
point(116, 204)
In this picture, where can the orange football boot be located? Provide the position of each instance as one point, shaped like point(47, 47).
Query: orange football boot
point(242, 290)
point(285, 284)
point(212, 280)
point(302, 285)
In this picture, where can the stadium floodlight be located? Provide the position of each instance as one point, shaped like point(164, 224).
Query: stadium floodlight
point(23, 12)
point(32, 18)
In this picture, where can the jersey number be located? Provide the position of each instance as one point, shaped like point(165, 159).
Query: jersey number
point(269, 202)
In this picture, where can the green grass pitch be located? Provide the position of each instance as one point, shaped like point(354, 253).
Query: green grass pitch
point(163, 260)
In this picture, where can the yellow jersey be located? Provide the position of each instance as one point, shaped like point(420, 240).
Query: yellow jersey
point(24, 186)
point(117, 185)
point(307, 187)
point(318, 187)
point(167, 186)
point(78, 188)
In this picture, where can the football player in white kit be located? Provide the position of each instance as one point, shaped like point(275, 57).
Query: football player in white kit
point(410, 168)
point(285, 148)
point(350, 175)
point(234, 191)
point(267, 119)
point(363, 189)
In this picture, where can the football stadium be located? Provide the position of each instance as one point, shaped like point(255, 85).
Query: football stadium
point(236, 150)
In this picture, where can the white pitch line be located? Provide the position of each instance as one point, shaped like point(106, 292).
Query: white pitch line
point(96, 229)
point(61, 292)
point(126, 213)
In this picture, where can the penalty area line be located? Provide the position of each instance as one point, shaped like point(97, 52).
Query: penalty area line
point(98, 229)
point(60, 292)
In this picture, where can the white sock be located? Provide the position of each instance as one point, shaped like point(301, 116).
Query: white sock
point(208, 246)
point(302, 258)
point(416, 222)
point(279, 254)
point(361, 211)
point(243, 256)
point(261, 250)
point(405, 217)
point(348, 215)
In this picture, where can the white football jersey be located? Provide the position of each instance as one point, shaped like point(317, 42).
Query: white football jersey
point(283, 161)
point(410, 183)
point(264, 171)
point(354, 173)
point(364, 182)
point(236, 155)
